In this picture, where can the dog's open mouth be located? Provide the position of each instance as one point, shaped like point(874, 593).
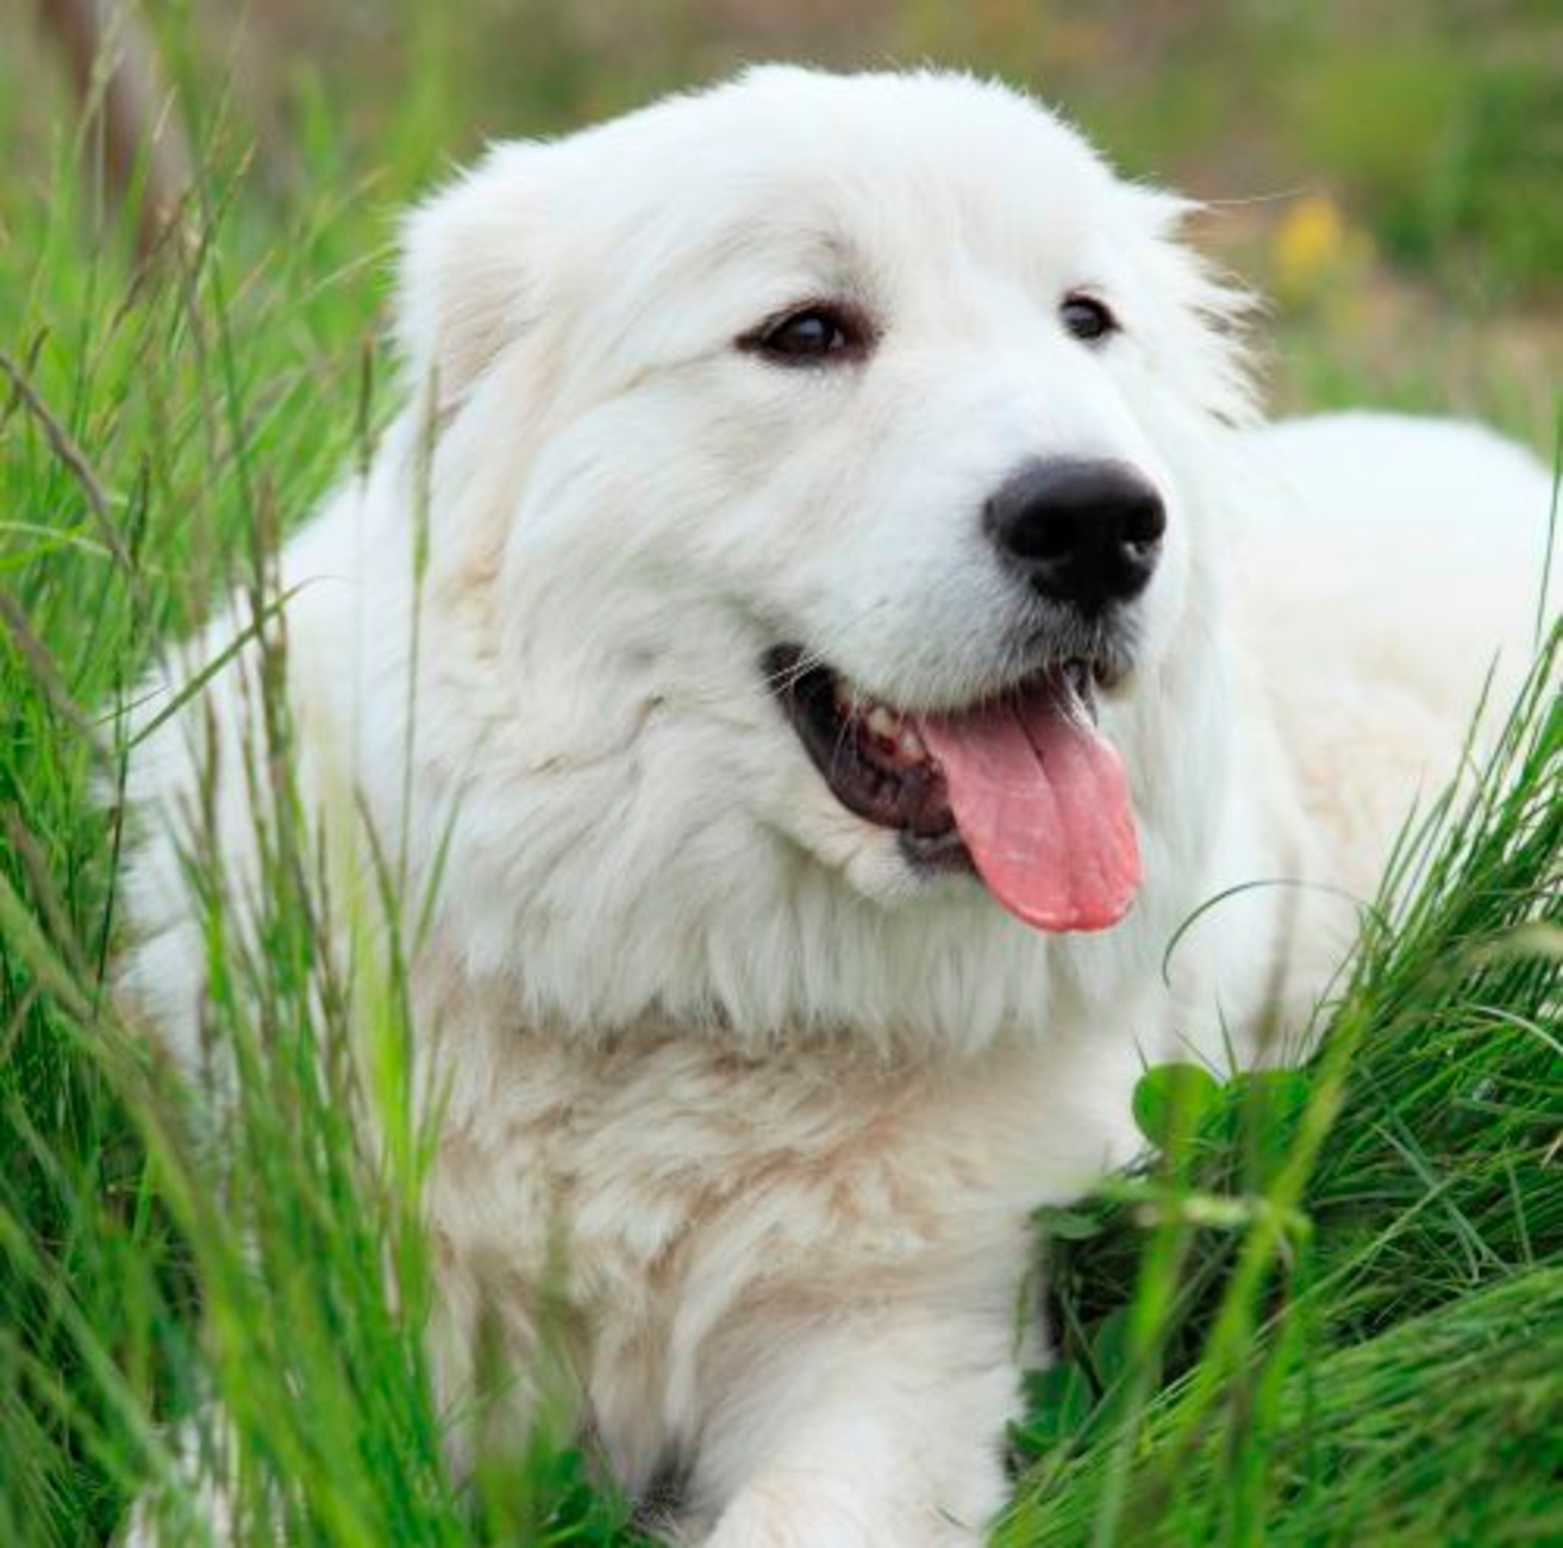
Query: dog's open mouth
point(1023, 787)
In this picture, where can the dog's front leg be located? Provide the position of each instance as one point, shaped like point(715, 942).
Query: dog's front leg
point(888, 1437)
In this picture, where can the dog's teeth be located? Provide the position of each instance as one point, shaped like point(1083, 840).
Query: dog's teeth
point(882, 723)
point(911, 746)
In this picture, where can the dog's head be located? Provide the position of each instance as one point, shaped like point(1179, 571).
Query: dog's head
point(815, 519)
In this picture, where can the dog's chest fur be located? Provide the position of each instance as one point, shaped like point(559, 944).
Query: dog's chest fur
point(649, 1204)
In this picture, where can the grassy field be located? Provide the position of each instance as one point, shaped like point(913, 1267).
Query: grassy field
point(1331, 1312)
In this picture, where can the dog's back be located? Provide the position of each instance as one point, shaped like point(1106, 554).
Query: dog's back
point(1401, 565)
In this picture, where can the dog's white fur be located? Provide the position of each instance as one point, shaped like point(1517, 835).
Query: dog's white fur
point(789, 1102)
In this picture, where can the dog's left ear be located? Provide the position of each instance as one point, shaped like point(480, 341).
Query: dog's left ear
point(468, 273)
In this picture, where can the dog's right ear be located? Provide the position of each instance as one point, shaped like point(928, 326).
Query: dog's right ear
point(467, 274)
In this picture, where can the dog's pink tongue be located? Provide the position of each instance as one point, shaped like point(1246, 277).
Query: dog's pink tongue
point(1043, 809)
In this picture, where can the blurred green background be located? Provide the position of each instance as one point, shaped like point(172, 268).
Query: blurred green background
point(1385, 170)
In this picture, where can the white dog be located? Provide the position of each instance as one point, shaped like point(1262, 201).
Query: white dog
point(861, 623)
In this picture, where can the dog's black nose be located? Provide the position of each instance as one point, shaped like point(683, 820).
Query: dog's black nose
point(1084, 533)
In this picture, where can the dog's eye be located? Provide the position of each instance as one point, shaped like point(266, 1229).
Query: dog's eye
point(810, 336)
point(1087, 318)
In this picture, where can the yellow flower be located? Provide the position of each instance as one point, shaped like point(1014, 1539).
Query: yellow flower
point(1310, 244)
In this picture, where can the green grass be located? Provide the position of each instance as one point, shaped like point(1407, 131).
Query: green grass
point(1333, 1310)
point(1344, 1277)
